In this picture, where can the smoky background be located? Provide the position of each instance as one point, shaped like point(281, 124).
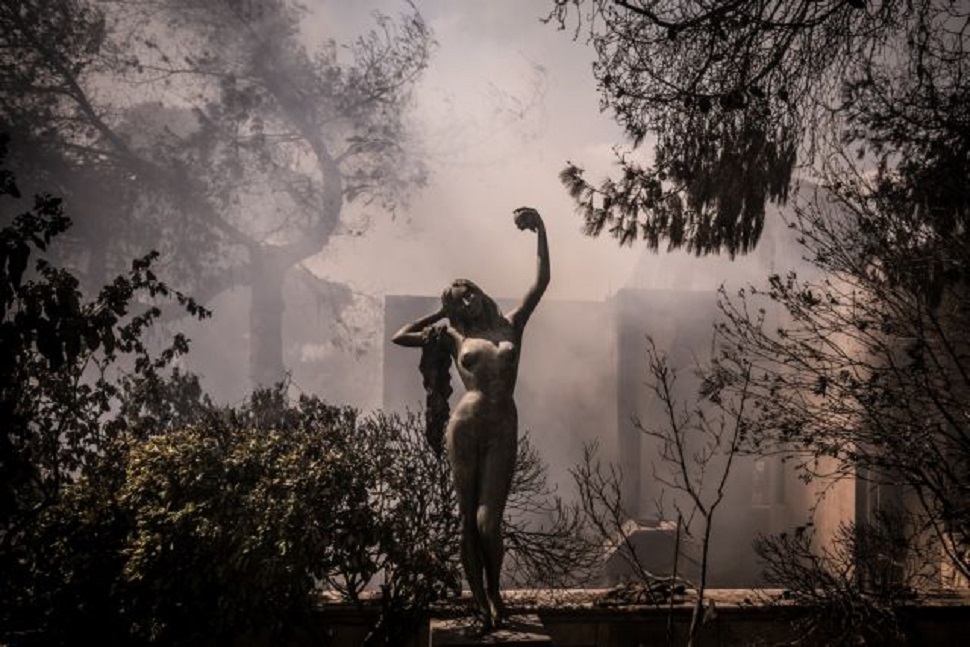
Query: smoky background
point(504, 103)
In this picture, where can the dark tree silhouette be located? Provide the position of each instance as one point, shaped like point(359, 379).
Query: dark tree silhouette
point(737, 95)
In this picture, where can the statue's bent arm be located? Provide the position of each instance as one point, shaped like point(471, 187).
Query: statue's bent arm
point(416, 332)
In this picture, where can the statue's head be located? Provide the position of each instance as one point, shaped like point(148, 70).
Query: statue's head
point(466, 305)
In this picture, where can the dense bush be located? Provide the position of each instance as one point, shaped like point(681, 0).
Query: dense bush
point(236, 521)
point(67, 364)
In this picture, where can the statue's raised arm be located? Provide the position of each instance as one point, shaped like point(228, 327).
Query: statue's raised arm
point(529, 218)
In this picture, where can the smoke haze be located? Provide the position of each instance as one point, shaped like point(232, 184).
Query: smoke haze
point(505, 102)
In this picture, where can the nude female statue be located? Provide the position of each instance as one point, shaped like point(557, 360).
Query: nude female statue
point(481, 437)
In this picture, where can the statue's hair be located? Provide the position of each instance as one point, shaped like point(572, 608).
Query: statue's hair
point(435, 368)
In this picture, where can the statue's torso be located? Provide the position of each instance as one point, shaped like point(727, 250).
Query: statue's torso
point(487, 363)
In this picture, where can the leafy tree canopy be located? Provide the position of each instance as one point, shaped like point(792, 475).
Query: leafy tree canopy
point(213, 130)
point(739, 94)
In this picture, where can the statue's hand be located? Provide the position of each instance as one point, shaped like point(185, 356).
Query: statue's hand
point(431, 334)
point(527, 218)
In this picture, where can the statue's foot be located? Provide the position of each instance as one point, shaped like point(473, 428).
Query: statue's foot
point(498, 613)
point(488, 625)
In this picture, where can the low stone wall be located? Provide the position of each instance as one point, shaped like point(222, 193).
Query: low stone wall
point(592, 619)
point(734, 617)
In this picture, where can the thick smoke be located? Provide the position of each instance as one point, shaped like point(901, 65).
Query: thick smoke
point(504, 104)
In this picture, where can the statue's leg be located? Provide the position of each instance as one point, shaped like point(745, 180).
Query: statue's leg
point(497, 470)
point(471, 561)
point(465, 470)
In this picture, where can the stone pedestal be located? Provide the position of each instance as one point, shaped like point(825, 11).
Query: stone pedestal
point(520, 631)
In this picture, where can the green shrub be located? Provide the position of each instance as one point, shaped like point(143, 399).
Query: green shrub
point(67, 363)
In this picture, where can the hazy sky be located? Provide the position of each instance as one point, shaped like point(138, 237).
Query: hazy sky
point(505, 102)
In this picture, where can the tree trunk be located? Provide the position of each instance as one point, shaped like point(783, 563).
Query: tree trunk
point(97, 273)
point(266, 318)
